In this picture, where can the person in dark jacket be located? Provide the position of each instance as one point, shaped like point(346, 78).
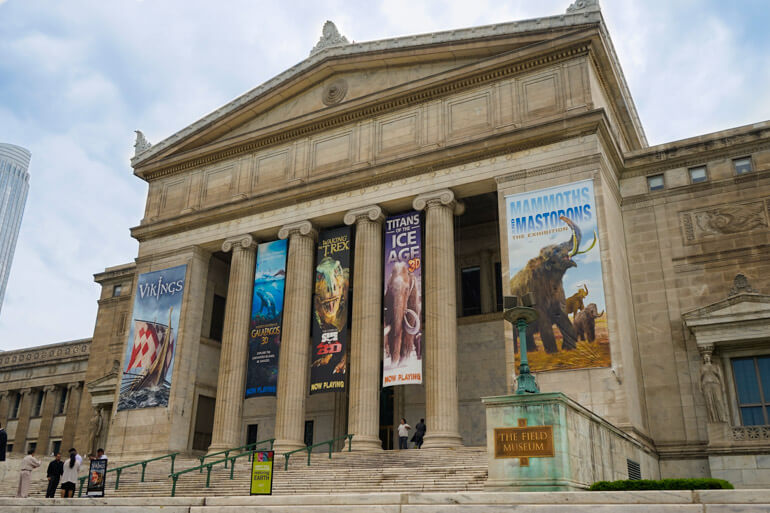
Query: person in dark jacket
point(3, 443)
point(419, 433)
point(55, 470)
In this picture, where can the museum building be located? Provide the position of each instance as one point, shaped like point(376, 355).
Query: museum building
point(329, 252)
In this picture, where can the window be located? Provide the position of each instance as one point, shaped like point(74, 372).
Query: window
point(742, 165)
point(634, 470)
point(471, 290)
point(698, 174)
point(116, 290)
point(32, 446)
point(38, 406)
point(752, 386)
point(498, 287)
point(9, 448)
point(14, 414)
point(62, 401)
point(217, 318)
point(56, 447)
point(655, 183)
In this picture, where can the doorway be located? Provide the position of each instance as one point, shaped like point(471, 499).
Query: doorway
point(386, 418)
point(204, 423)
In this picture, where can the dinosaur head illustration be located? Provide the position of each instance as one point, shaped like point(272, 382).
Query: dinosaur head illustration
point(331, 281)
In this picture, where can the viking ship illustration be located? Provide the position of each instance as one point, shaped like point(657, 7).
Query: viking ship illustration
point(152, 352)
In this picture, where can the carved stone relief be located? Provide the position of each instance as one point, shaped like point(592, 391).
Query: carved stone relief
point(724, 219)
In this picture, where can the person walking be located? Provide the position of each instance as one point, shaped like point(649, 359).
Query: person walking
point(70, 475)
point(28, 464)
point(55, 470)
point(419, 433)
point(403, 434)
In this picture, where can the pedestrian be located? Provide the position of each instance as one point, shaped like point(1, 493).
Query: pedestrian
point(70, 476)
point(55, 470)
point(419, 433)
point(3, 443)
point(28, 464)
point(403, 434)
point(100, 454)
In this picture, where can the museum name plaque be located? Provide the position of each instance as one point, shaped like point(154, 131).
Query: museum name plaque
point(524, 442)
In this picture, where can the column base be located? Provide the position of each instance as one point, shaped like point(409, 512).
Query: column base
point(442, 440)
point(282, 446)
point(364, 443)
point(216, 447)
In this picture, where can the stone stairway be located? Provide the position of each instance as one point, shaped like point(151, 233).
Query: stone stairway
point(429, 470)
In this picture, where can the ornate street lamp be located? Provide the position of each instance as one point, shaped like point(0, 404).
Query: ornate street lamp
point(519, 312)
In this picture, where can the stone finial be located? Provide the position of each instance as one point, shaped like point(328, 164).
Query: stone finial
point(330, 36)
point(141, 144)
point(583, 6)
point(741, 286)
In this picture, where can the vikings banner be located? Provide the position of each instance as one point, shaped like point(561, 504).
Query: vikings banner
point(553, 253)
point(148, 362)
point(402, 304)
point(330, 311)
point(266, 316)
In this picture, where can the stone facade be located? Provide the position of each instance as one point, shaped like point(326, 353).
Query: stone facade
point(450, 123)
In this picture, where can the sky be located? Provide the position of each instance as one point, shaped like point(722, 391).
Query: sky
point(78, 77)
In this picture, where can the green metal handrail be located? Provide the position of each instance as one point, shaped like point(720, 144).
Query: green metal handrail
point(208, 466)
point(118, 470)
point(309, 449)
point(252, 446)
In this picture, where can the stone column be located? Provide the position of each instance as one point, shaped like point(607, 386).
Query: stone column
point(46, 419)
point(441, 415)
point(295, 341)
point(366, 329)
point(228, 411)
point(4, 406)
point(25, 407)
point(70, 422)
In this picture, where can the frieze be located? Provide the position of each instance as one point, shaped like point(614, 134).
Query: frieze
point(726, 219)
point(45, 354)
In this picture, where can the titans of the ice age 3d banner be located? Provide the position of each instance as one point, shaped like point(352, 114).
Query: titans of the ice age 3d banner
point(266, 317)
point(148, 363)
point(328, 368)
point(402, 304)
point(553, 253)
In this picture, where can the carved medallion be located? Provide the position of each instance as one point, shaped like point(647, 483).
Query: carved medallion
point(334, 92)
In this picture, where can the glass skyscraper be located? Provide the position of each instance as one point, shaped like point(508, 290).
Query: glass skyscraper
point(14, 184)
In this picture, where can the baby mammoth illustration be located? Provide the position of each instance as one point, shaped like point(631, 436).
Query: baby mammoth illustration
point(403, 307)
point(585, 323)
point(575, 301)
point(331, 291)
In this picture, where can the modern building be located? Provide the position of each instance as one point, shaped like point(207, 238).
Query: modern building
point(14, 185)
point(415, 181)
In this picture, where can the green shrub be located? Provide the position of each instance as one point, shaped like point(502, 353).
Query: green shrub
point(661, 484)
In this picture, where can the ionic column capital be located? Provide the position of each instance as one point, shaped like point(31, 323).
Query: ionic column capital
point(373, 213)
point(25, 391)
point(73, 386)
point(245, 241)
point(302, 228)
point(441, 198)
point(49, 388)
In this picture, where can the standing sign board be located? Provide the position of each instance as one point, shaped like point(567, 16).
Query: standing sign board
point(262, 473)
point(96, 473)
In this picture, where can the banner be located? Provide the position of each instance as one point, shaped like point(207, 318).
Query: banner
point(148, 362)
point(328, 369)
point(262, 473)
point(266, 317)
point(402, 304)
point(95, 482)
point(553, 252)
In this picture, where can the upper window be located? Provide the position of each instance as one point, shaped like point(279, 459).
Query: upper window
point(742, 165)
point(698, 174)
point(62, 401)
point(217, 318)
point(14, 413)
point(655, 183)
point(116, 290)
point(471, 290)
point(752, 386)
point(38, 405)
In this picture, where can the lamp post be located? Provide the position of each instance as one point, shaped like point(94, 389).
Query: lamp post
point(519, 312)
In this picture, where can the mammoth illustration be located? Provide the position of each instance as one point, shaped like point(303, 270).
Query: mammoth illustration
point(585, 323)
point(542, 276)
point(402, 307)
point(575, 301)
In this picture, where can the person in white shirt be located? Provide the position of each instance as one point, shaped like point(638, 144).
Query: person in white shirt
point(69, 478)
point(28, 464)
point(403, 434)
point(100, 454)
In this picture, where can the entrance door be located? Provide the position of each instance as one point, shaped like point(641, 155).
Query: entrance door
point(386, 417)
point(204, 423)
point(308, 432)
point(251, 434)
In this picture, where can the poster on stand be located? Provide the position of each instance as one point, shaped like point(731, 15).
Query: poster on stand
point(330, 331)
point(96, 474)
point(402, 303)
point(266, 319)
point(148, 362)
point(262, 473)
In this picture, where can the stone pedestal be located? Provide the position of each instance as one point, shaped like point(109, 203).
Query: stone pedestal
point(587, 448)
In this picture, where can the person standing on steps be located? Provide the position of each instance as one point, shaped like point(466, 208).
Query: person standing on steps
point(70, 476)
point(55, 470)
point(28, 464)
point(403, 434)
point(419, 433)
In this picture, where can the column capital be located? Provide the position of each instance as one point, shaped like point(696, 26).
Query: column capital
point(245, 241)
point(49, 388)
point(439, 198)
point(303, 228)
point(373, 213)
point(74, 385)
point(706, 349)
point(25, 391)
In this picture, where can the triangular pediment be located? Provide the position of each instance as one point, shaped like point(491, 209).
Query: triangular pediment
point(741, 305)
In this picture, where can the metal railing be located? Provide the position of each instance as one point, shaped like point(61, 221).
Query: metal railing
point(309, 449)
point(244, 448)
point(118, 470)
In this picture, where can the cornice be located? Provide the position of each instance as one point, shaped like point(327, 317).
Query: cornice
point(46, 354)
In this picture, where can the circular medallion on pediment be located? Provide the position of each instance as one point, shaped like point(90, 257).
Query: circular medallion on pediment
point(334, 92)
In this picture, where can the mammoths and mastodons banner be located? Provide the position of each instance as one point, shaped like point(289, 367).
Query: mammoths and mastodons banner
point(402, 304)
point(266, 316)
point(553, 252)
point(328, 368)
point(148, 362)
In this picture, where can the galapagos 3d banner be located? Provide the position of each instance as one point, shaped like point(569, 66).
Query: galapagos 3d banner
point(402, 303)
point(266, 318)
point(148, 362)
point(330, 331)
point(553, 253)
